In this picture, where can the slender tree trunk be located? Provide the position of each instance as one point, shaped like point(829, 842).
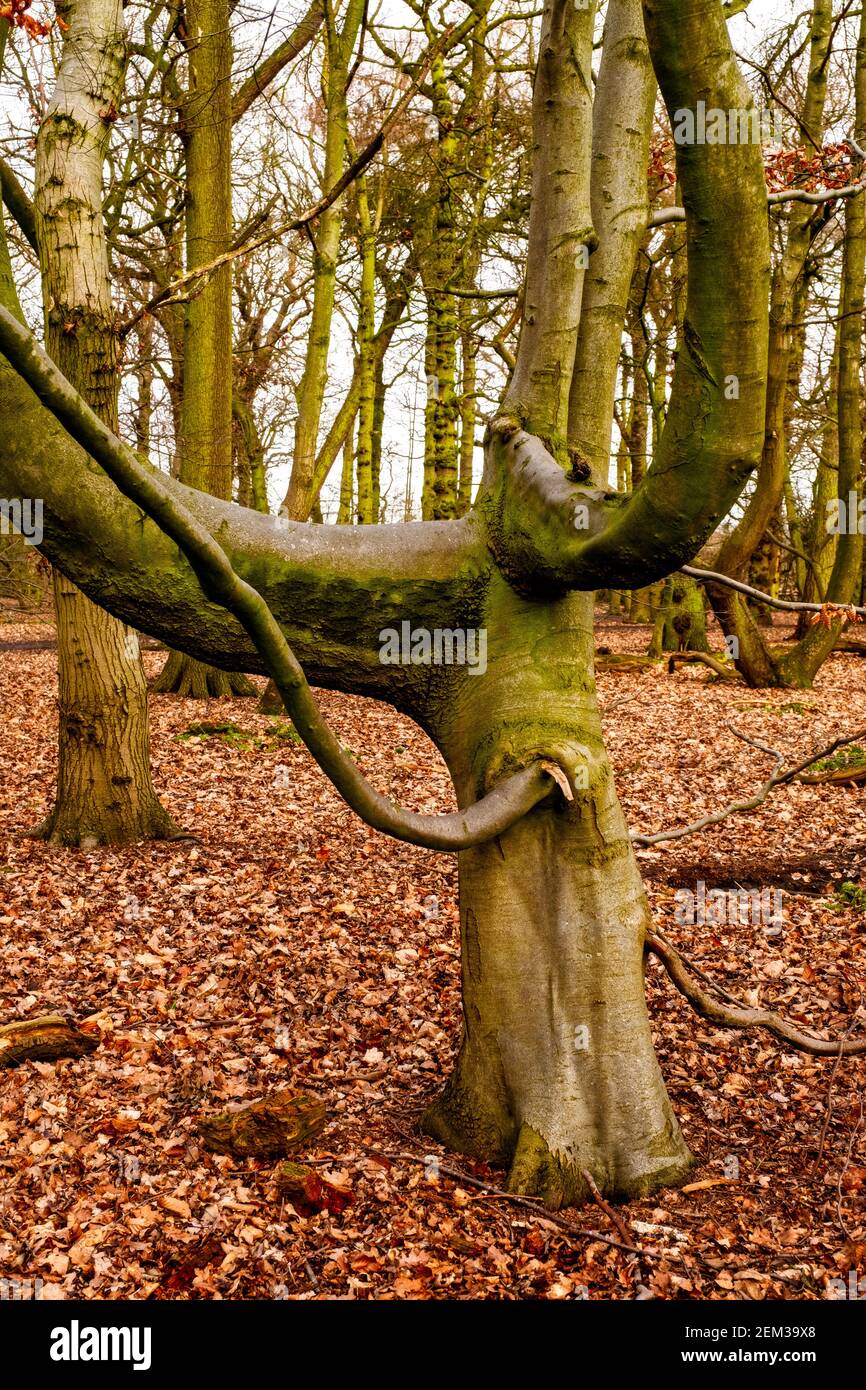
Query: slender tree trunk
point(340, 43)
point(379, 393)
point(206, 397)
point(344, 515)
point(802, 663)
point(468, 409)
point(366, 358)
point(104, 790)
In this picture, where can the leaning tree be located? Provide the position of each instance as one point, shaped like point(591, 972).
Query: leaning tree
point(556, 1075)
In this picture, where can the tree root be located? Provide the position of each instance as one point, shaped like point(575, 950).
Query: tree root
point(194, 680)
point(741, 1016)
point(726, 673)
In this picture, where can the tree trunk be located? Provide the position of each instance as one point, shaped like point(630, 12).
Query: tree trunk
point(685, 618)
point(105, 795)
point(104, 790)
point(206, 399)
point(557, 1070)
point(194, 680)
point(366, 356)
point(756, 662)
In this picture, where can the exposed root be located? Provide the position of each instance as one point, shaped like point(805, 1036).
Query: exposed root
point(741, 1016)
point(726, 673)
point(194, 680)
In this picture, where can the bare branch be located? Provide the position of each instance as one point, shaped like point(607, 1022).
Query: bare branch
point(270, 67)
point(172, 293)
point(787, 605)
point(778, 779)
point(18, 203)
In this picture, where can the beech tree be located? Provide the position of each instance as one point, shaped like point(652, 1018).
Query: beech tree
point(557, 1076)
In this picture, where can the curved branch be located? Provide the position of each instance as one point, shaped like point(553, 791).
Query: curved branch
point(714, 427)
point(738, 1015)
point(507, 803)
point(787, 605)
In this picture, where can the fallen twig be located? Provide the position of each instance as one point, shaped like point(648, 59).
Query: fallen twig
point(532, 1204)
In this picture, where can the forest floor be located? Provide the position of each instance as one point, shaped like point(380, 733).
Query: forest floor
point(290, 946)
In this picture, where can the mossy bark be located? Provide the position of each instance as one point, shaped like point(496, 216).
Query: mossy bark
point(685, 618)
point(557, 1071)
point(439, 254)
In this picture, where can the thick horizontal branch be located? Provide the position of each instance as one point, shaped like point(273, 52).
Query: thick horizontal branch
point(739, 1015)
point(507, 803)
point(332, 588)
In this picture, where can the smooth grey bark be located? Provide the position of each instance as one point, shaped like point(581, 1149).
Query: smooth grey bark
point(621, 127)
